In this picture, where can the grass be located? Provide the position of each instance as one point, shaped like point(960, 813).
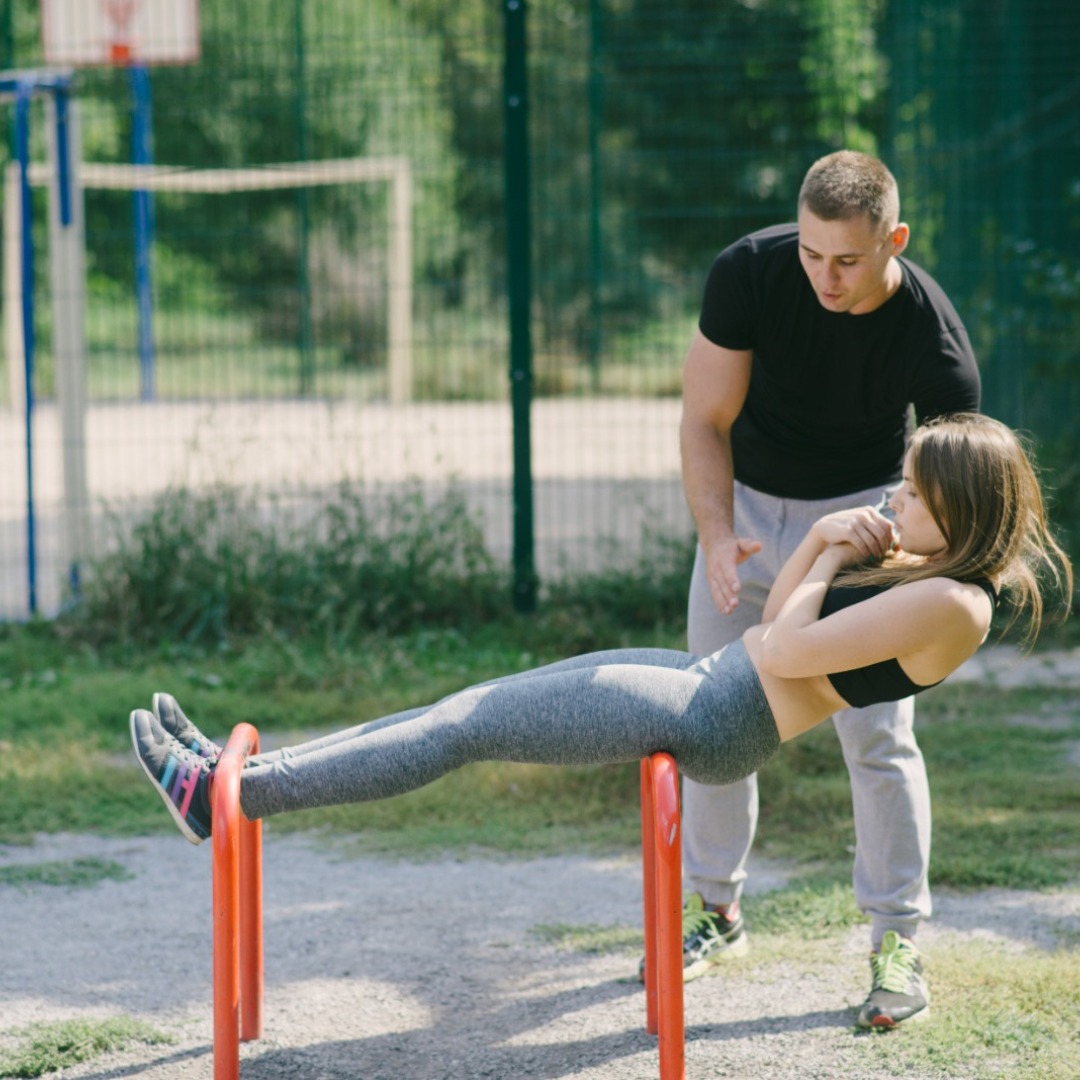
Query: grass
point(1005, 794)
point(997, 1013)
point(45, 1048)
point(206, 349)
point(1004, 786)
point(72, 874)
point(591, 939)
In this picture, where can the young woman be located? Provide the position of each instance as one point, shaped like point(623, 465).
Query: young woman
point(865, 610)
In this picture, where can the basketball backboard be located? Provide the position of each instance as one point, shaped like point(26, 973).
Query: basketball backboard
point(80, 33)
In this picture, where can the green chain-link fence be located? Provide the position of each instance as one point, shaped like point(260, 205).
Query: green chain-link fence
point(354, 322)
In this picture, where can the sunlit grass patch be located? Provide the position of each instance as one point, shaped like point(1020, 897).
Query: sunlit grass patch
point(69, 873)
point(814, 908)
point(68, 788)
point(44, 1048)
point(494, 807)
point(996, 1012)
point(1005, 792)
point(590, 938)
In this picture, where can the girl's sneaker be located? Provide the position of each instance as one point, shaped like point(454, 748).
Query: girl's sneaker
point(180, 776)
point(171, 717)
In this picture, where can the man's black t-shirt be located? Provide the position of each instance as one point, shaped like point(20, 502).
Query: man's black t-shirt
point(827, 410)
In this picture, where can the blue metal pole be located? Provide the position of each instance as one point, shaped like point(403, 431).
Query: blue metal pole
point(142, 153)
point(22, 150)
point(63, 155)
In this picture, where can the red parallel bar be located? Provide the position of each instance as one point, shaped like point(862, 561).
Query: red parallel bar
point(662, 859)
point(237, 908)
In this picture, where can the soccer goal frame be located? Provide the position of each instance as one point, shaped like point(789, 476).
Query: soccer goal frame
point(396, 171)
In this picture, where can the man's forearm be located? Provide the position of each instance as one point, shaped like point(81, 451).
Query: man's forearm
point(709, 483)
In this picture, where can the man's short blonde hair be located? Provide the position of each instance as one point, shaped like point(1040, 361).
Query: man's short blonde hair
point(849, 184)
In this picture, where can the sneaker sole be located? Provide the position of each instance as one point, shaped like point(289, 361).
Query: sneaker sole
point(174, 811)
point(887, 1023)
point(710, 965)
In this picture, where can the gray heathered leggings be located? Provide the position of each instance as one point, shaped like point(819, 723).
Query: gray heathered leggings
point(710, 714)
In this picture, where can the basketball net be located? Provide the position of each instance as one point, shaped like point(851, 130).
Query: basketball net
point(120, 14)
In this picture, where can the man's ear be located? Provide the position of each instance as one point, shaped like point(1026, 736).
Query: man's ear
point(900, 237)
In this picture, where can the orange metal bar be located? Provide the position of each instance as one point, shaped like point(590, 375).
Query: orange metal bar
point(662, 859)
point(251, 927)
point(648, 859)
point(237, 883)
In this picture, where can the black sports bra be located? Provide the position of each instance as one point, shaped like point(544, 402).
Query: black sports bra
point(885, 680)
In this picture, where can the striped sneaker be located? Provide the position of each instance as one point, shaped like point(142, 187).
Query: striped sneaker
point(898, 992)
point(180, 776)
point(171, 717)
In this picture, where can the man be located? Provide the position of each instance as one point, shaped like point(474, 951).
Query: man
point(814, 342)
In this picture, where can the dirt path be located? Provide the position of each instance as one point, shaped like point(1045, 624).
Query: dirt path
point(390, 970)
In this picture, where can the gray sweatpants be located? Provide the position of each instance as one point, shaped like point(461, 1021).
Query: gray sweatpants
point(709, 713)
point(889, 789)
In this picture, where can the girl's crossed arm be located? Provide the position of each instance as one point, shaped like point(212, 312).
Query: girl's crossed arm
point(936, 622)
point(867, 534)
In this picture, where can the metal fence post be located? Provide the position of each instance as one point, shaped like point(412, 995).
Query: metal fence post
point(518, 252)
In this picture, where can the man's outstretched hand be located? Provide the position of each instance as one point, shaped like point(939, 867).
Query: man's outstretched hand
point(721, 567)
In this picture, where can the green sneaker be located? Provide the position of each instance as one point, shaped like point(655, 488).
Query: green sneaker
point(709, 938)
point(898, 993)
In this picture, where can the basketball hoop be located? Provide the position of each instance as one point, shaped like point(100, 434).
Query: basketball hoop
point(86, 33)
point(120, 14)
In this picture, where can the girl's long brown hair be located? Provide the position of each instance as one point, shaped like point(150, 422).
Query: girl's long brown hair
point(979, 485)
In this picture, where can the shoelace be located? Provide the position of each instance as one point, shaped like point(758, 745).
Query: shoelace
point(698, 920)
point(191, 758)
point(208, 751)
point(893, 969)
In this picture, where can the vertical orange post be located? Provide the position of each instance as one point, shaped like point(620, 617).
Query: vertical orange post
point(662, 868)
point(251, 927)
point(237, 906)
point(648, 859)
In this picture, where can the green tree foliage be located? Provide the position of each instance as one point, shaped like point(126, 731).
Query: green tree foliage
point(469, 73)
point(660, 129)
point(718, 108)
point(985, 140)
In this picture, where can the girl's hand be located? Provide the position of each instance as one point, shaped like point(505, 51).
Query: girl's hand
point(867, 533)
point(837, 557)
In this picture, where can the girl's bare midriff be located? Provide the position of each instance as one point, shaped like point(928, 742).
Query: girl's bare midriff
point(797, 704)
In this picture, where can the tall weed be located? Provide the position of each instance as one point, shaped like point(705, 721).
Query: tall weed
point(643, 592)
point(204, 567)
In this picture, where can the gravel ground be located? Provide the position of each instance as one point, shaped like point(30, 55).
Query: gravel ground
point(390, 970)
